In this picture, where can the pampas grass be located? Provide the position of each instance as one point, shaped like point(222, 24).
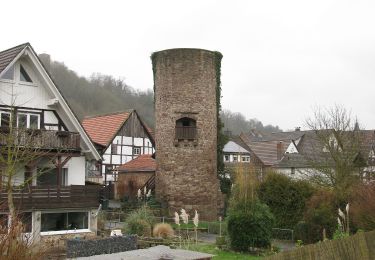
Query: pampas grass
point(163, 230)
point(196, 222)
point(177, 221)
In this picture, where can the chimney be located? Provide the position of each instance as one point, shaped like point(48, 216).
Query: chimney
point(279, 148)
point(298, 128)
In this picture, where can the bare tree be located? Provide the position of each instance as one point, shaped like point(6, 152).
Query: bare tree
point(22, 149)
point(336, 144)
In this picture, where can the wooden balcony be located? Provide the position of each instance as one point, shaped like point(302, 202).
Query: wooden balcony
point(53, 197)
point(186, 133)
point(41, 139)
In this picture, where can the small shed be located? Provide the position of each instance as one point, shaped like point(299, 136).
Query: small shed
point(133, 175)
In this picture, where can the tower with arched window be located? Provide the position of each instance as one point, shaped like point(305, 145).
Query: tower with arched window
point(185, 82)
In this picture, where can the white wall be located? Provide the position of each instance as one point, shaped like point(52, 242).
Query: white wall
point(239, 158)
point(299, 173)
point(76, 170)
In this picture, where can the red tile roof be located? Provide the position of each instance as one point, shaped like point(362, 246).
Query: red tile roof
point(102, 129)
point(143, 163)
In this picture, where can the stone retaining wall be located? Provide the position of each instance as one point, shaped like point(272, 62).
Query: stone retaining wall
point(81, 248)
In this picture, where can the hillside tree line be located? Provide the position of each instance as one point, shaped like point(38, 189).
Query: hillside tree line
point(100, 94)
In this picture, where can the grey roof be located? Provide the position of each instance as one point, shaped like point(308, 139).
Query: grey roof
point(264, 146)
point(310, 148)
point(233, 147)
point(7, 56)
point(256, 136)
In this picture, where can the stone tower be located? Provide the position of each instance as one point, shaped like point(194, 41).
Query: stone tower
point(185, 82)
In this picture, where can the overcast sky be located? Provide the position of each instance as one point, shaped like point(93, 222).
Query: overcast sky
point(281, 58)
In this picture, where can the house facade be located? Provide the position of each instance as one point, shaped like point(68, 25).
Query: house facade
point(50, 149)
point(299, 154)
point(120, 137)
point(234, 152)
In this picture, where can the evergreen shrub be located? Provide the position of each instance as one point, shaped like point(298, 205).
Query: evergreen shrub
point(285, 197)
point(250, 226)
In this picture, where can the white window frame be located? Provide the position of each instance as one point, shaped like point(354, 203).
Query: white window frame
point(245, 158)
point(235, 156)
point(4, 112)
point(28, 119)
point(226, 158)
point(70, 231)
point(135, 148)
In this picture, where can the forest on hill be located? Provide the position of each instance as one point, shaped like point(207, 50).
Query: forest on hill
point(100, 94)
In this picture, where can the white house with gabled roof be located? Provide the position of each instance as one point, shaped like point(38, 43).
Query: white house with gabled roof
point(50, 192)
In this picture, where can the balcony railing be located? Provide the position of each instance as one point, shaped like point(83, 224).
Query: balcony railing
point(51, 197)
point(186, 133)
point(40, 139)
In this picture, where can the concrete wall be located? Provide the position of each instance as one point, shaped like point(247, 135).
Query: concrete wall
point(185, 86)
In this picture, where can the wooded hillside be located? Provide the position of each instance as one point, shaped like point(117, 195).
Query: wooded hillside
point(100, 94)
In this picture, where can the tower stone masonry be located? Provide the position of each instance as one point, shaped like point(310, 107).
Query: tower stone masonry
point(185, 82)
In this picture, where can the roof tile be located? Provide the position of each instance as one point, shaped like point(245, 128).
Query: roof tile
point(143, 163)
point(8, 56)
point(102, 129)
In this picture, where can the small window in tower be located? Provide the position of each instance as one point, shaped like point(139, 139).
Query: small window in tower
point(186, 129)
point(24, 76)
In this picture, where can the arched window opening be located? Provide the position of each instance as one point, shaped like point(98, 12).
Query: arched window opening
point(186, 129)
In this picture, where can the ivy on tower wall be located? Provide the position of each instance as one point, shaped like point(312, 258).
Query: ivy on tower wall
point(221, 138)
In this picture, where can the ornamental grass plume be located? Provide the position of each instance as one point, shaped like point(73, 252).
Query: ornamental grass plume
point(341, 214)
point(145, 191)
point(344, 225)
point(139, 194)
point(176, 218)
point(196, 219)
point(148, 195)
point(184, 216)
point(196, 222)
point(177, 221)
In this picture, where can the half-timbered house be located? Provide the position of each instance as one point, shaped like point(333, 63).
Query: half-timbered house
point(49, 189)
point(120, 137)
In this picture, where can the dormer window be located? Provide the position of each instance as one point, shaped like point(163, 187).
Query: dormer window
point(24, 76)
point(186, 129)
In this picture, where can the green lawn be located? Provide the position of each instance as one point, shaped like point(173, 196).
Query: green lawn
point(221, 254)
